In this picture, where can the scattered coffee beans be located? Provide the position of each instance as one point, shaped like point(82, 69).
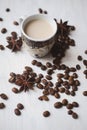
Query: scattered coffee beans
point(58, 105)
point(3, 30)
point(2, 105)
point(20, 106)
point(85, 93)
point(4, 96)
point(17, 112)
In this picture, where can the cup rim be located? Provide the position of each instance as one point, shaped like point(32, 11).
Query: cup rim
point(45, 16)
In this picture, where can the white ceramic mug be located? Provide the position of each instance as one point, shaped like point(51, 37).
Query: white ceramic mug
point(39, 48)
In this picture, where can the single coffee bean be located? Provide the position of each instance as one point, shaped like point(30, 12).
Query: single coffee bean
point(75, 75)
point(61, 90)
point(79, 58)
point(85, 93)
point(20, 106)
point(64, 102)
point(74, 88)
point(40, 76)
point(74, 115)
point(69, 106)
point(77, 82)
point(34, 62)
point(28, 68)
point(72, 69)
point(37, 80)
point(60, 75)
point(54, 67)
point(44, 97)
point(45, 92)
point(4, 96)
point(17, 112)
point(50, 71)
point(50, 84)
point(85, 62)
point(85, 51)
point(67, 92)
point(66, 76)
point(3, 30)
point(44, 81)
point(60, 80)
point(39, 64)
point(48, 65)
point(40, 86)
point(2, 105)
point(1, 19)
point(40, 10)
point(48, 77)
point(40, 98)
point(72, 93)
point(57, 95)
point(12, 74)
point(15, 90)
point(12, 80)
point(70, 112)
point(78, 67)
point(16, 23)
point(2, 47)
point(58, 105)
point(57, 84)
point(75, 104)
point(85, 71)
point(46, 113)
point(45, 12)
point(7, 10)
point(63, 67)
point(43, 67)
point(51, 91)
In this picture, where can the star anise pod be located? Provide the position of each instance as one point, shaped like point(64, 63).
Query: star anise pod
point(14, 42)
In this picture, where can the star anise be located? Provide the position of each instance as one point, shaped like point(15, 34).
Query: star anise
point(14, 42)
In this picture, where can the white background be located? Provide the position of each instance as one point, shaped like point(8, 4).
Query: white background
point(31, 119)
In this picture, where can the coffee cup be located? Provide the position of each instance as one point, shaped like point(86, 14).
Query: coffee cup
point(39, 33)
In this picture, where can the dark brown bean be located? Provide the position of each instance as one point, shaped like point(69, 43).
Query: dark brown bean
point(15, 90)
point(50, 84)
point(78, 67)
point(67, 92)
point(46, 113)
point(57, 95)
point(37, 80)
point(79, 58)
point(4, 96)
point(75, 104)
point(17, 112)
point(40, 86)
point(72, 93)
point(85, 51)
point(85, 62)
point(60, 75)
point(34, 62)
point(74, 115)
point(44, 97)
point(3, 30)
point(39, 64)
point(58, 105)
point(12, 80)
point(70, 112)
point(85, 93)
point(28, 68)
point(45, 12)
point(45, 92)
point(2, 105)
point(43, 67)
point(1, 19)
point(51, 91)
point(48, 77)
point(69, 106)
point(61, 90)
point(2, 47)
point(20, 106)
point(48, 65)
point(50, 71)
point(16, 23)
point(72, 69)
point(64, 102)
point(40, 76)
point(40, 10)
point(44, 81)
point(75, 75)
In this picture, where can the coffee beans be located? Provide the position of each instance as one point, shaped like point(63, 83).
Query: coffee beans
point(3, 96)
point(34, 62)
point(79, 58)
point(78, 67)
point(2, 47)
point(64, 102)
point(20, 106)
point(85, 93)
point(46, 113)
point(15, 90)
point(48, 77)
point(3, 30)
point(69, 106)
point(16, 23)
point(17, 112)
point(1, 19)
point(74, 115)
point(40, 10)
point(75, 104)
point(2, 105)
point(58, 105)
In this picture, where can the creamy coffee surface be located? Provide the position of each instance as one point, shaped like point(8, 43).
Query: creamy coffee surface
point(39, 29)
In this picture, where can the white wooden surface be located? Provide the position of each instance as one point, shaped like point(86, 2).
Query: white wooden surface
point(31, 119)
